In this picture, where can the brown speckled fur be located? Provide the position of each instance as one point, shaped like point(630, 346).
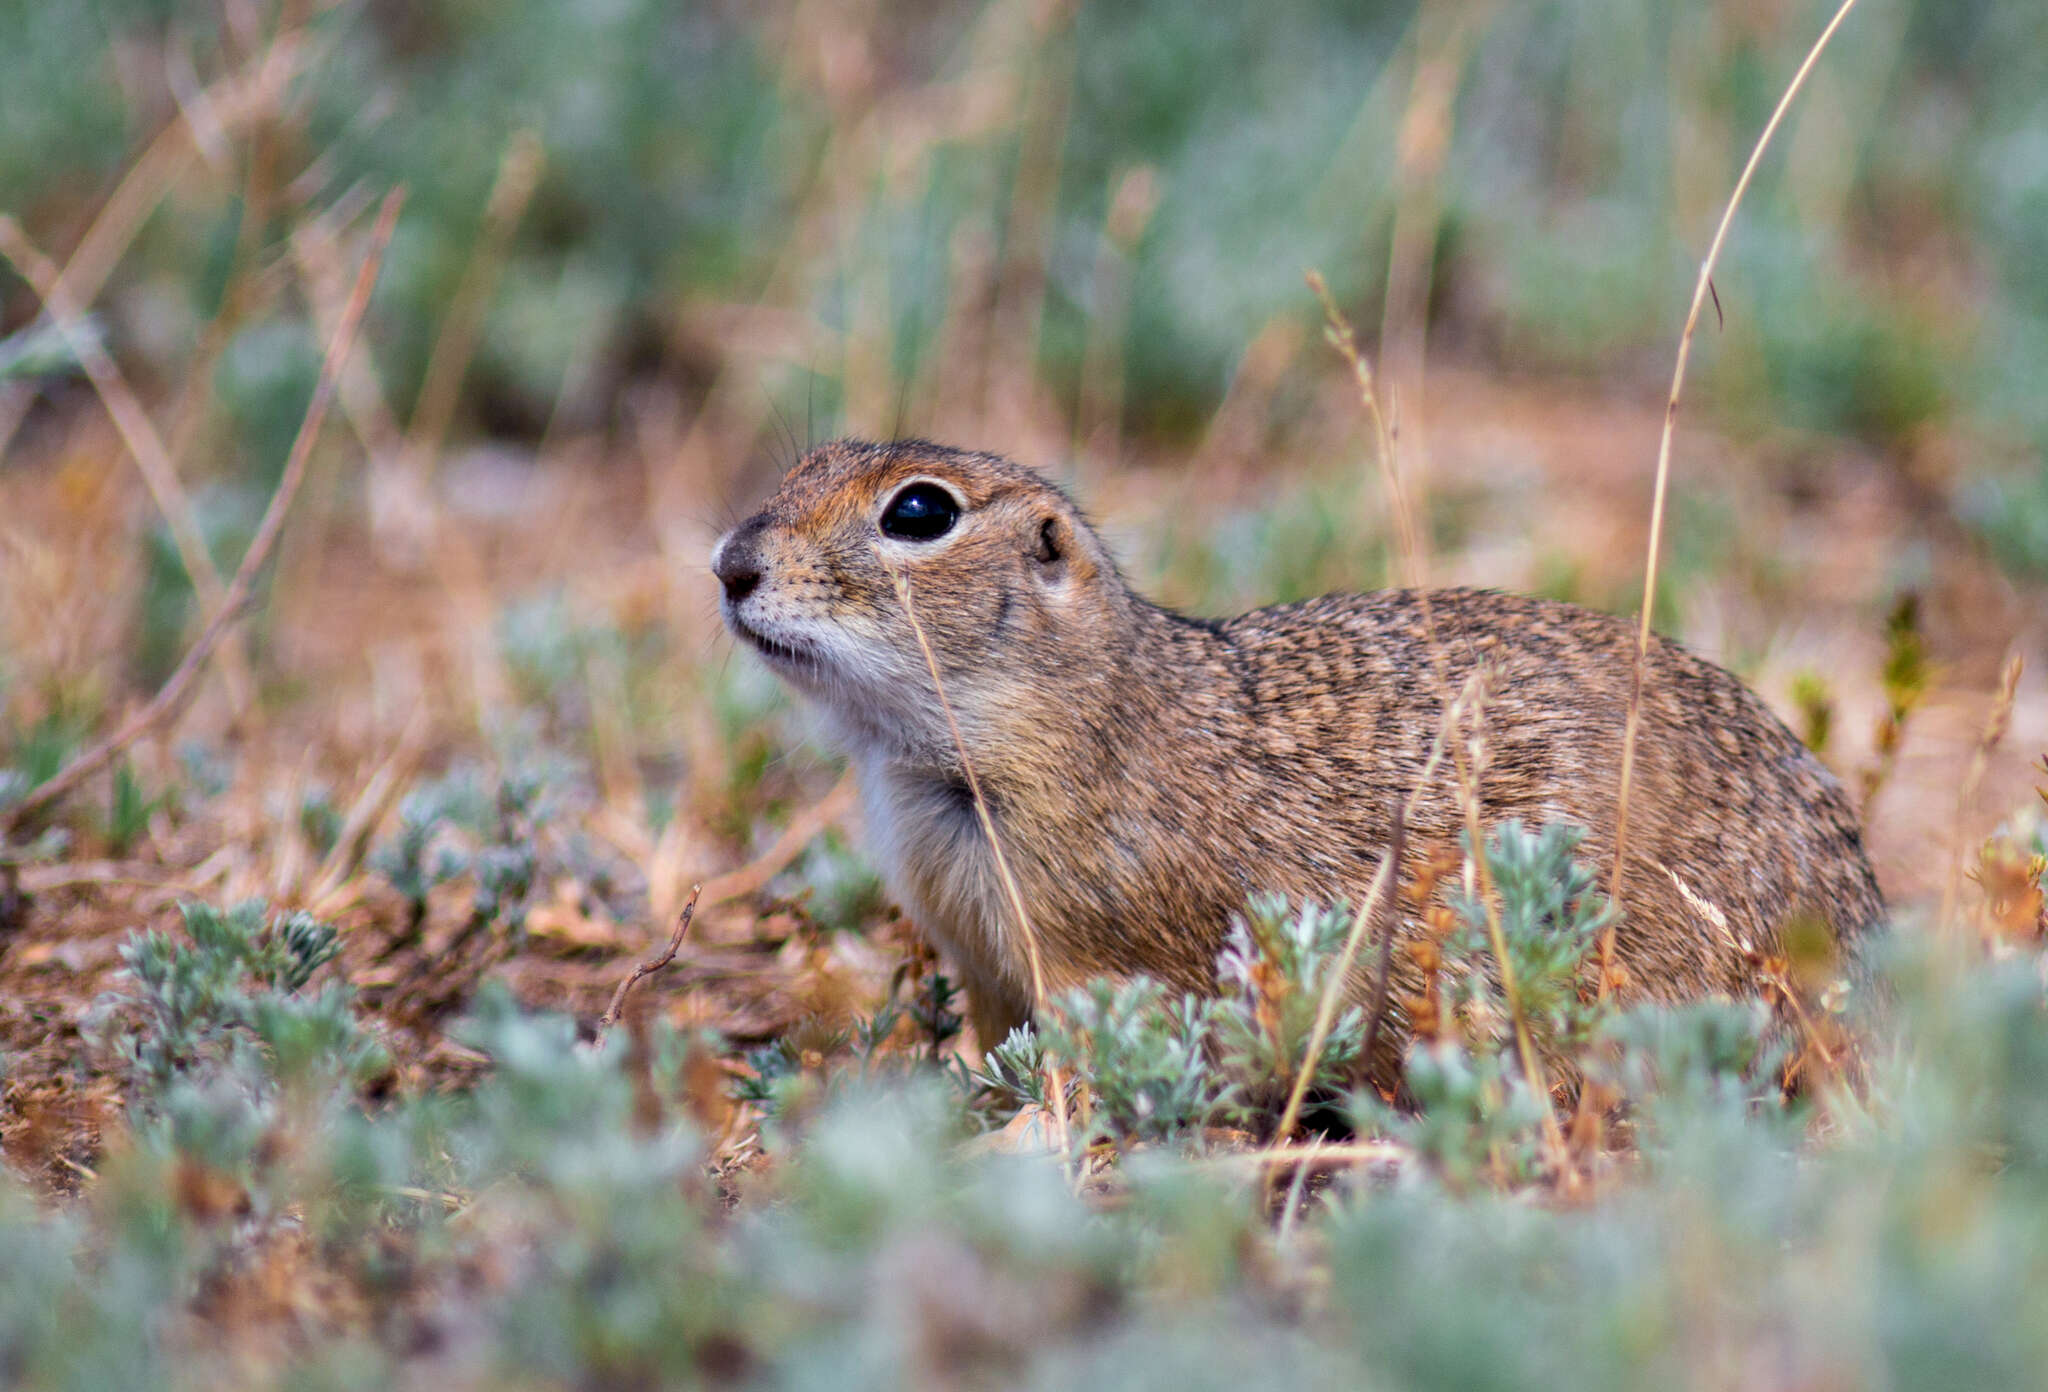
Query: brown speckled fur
point(1147, 771)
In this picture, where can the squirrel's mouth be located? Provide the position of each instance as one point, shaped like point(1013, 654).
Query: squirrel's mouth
point(776, 650)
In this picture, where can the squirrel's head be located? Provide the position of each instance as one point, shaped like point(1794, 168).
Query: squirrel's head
point(1010, 586)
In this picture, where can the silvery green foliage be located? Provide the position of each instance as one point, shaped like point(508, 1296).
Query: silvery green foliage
point(1472, 1113)
point(1550, 918)
point(45, 350)
point(237, 986)
point(1143, 1054)
point(540, 1228)
point(1272, 976)
point(1160, 1067)
point(14, 786)
point(1012, 1074)
point(494, 825)
point(419, 856)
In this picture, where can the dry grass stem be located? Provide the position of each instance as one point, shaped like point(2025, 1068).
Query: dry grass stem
point(138, 432)
point(1319, 1152)
point(171, 695)
point(1701, 290)
point(1408, 537)
point(1056, 1078)
point(1409, 542)
point(988, 826)
point(803, 829)
point(651, 965)
point(1382, 883)
point(519, 174)
point(1389, 930)
point(1996, 724)
point(1470, 762)
point(317, 258)
point(1774, 977)
point(352, 843)
point(41, 879)
point(1295, 1189)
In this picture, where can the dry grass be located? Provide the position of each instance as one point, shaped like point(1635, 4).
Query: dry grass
point(1702, 289)
point(229, 604)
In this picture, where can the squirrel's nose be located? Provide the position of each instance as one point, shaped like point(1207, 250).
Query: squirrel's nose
point(737, 562)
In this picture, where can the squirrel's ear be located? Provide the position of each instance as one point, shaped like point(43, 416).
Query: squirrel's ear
point(1059, 554)
point(1052, 542)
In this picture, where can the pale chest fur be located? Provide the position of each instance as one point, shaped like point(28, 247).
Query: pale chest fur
point(925, 837)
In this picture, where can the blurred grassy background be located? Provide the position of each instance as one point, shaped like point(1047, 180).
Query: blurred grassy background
point(870, 166)
point(649, 251)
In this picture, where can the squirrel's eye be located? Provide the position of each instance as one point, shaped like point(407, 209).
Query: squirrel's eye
point(920, 512)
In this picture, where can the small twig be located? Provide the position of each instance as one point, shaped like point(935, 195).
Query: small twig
point(320, 272)
point(85, 1172)
point(173, 692)
point(652, 965)
point(41, 879)
point(448, 1200)
point(1700, 293)
point(1318, 1152)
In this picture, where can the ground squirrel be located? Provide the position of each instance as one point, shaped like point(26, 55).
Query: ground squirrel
point(1146, 771)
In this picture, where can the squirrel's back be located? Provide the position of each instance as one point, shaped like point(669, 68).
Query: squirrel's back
point(1736, 829)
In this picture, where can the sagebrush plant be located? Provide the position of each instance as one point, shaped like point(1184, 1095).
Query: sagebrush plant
point(1550, 918)
point(496, 826)
point(1012, 1075)
point(1152, 1065)
point(234, 1066)
point(1273, 973)
point(1141, 1051)
point(1470, 1110)
point(562, 1223)
point(198, 1008)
